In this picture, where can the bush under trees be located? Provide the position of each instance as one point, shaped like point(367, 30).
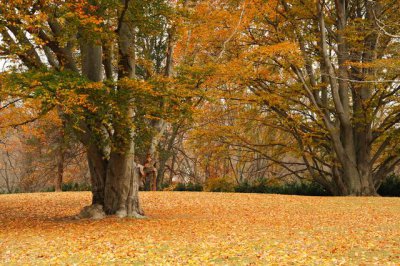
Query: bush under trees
point(389, 188)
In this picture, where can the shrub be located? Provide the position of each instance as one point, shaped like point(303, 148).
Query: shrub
point(305, 189)
point(186, 187)
point(76, 187)
point(194, 187)
point(259, 186)
point(71, 186)
point(262, 186)
point(390, 187)
point(168, 187)
point(180, 187)
point(14, 191)
point(219, 184)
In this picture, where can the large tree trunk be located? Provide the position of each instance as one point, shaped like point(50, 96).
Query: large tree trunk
point(122, 185)
point(115, 182)
point(98, 170)
point(361, 186)
point(352, 181)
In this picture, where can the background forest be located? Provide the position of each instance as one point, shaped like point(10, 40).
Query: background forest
point(264, 96)
point(281, 96)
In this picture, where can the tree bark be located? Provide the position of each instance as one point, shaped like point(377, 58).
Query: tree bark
point(60, 170)
point(160, 127)
point(121, 189)
point(360, 185)
point(98, 169)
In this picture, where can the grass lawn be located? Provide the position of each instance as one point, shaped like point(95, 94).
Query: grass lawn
point(202, 228)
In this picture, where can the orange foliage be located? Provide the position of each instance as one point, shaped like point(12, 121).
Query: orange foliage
point(202, 228)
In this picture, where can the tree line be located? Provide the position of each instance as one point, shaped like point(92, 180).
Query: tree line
point(280, 89)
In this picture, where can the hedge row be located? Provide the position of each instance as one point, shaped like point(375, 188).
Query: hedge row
point(389, 188)
point(72, 186)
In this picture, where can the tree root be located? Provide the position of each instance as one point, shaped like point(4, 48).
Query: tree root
point(94, 212)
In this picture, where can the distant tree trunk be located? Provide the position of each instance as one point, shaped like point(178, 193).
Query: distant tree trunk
point(161, 126)
point(161, 172)
point(171, 170)
point(151, 167)
point(168, 153)
point(60, 171)
point(60, 159)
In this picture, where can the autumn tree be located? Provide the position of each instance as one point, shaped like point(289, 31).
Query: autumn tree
point(233, 136)
point(324, 71)
point(89, 60)
point(38, 155)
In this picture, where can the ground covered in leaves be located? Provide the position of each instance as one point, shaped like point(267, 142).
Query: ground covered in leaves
point(202, 228)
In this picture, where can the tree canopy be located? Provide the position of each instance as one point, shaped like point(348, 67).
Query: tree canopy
point(268, 89)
